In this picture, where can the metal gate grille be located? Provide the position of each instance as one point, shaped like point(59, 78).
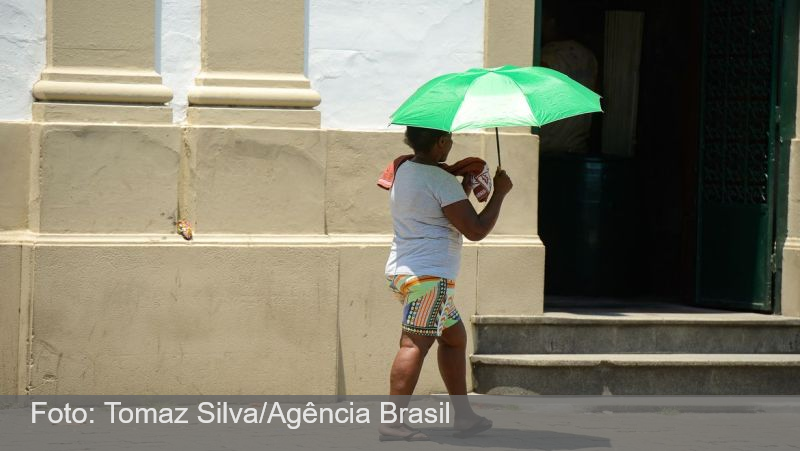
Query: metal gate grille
point(740, 68)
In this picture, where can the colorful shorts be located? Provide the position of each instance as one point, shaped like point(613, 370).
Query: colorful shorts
point(428, 306)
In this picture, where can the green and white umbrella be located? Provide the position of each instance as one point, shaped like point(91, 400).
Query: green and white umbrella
point(505, 96)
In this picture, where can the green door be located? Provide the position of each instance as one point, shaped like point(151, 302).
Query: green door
point(738, 146)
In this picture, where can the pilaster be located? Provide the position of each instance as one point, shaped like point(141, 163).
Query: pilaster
point(508, 32)
point(255, 68)
point(100, 52)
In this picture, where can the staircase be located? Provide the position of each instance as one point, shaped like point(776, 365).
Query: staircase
point(605, 353)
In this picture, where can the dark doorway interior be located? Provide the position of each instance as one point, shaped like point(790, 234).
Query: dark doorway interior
point(644, 244)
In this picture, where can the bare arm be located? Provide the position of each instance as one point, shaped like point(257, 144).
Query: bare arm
point(465, 184)
point(476, 226)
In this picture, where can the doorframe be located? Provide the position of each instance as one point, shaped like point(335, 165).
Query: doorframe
point(783, 131)
point(787, 97)
point(537, 43)
point(537, 34)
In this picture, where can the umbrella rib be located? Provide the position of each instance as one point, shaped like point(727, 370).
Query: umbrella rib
point(583, 94)
point(424, 89)
point(462, 103)
point(521, 91)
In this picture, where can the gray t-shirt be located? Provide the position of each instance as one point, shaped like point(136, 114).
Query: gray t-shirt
point(425, 242)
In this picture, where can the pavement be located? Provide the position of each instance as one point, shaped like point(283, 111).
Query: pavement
point(529, 423)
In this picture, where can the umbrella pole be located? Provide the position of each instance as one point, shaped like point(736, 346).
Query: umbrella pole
point(497, 137)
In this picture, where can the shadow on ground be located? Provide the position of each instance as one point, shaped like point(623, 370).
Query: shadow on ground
point(519, 439)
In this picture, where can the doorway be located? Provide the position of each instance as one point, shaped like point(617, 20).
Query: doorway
point(688, 216)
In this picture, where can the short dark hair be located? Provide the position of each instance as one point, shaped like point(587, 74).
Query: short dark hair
point(422, 139)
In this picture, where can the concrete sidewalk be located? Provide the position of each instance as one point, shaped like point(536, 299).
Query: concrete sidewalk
point(599, 423)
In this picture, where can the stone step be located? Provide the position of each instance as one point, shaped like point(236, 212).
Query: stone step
point(564, 333)
point(637, 374)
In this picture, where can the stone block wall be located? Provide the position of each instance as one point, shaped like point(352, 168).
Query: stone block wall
point(282, 290)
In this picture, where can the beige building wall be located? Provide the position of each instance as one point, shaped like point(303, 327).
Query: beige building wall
point(790, 281)
point(101, 52)
point(790, 274)
point(14, 175)
point(10, 278)
point(252, 55)
point(282, 288)
point(513, 265)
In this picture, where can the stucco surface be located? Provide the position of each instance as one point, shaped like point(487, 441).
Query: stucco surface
point(14, 175)
point(106, 92)
point(245, 307)
point(519, 155)
point(178, 49)
point(253, 96)
point(10, 267)
point(365, 58)
point(184, 320)
point(257, 180)
point(253, 117)
point(113, 313)
point(220, 318)
point(356, 159)
point(114, 33)
point(101, 52)
point(508, 31)
point(109, 178)
point(790, 288)
point(353, 202)
point(790, 282)
point(260, 61)
point(510, 279)
point(22, 55)
point(271, 29)
point(790, 285)
point(793, 214)
point(369, 322)
point(98, 113)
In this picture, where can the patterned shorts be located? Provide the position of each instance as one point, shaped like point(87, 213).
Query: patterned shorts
point(428, 306)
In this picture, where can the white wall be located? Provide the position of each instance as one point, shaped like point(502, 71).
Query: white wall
point(22, 55)
point(179, 61)
point(364, 56)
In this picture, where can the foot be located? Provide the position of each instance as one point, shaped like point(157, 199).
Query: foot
point(467, 427)
point(400, 432)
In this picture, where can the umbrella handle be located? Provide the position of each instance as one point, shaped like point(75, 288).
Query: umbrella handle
point(497, 137)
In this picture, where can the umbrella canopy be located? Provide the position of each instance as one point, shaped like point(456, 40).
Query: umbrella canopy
point(498, 97)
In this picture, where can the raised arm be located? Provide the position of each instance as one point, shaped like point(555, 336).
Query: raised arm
point(476, 226)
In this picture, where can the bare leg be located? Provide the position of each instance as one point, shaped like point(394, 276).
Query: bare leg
point(452, 355)
point(404, 376)
point(408, 363)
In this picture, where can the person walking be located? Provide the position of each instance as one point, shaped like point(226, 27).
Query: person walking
point(430, 213)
